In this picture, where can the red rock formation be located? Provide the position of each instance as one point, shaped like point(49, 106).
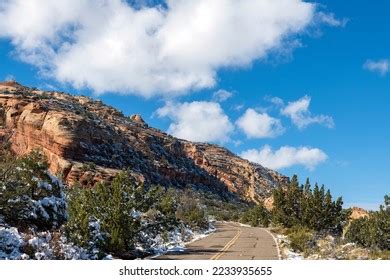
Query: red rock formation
point(88, 141)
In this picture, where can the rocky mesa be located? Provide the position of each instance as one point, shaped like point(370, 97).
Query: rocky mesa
point(86, 141)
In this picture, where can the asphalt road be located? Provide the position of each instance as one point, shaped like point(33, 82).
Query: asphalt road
point(230, 241)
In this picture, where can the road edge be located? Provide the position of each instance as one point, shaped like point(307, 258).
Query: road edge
point(276, 243)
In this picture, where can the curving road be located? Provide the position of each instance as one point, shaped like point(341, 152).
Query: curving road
point(230, 241)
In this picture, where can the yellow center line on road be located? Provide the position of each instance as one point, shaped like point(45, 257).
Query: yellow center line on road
point(227, 246)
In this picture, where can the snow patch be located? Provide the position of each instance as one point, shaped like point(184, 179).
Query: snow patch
point(286, 252)
point(10, 243)
point(178, 239)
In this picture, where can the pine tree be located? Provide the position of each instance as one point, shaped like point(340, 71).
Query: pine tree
point(279, 215)
point(307, 203)
point(127, 214)
point(307, 187)
point(117, 221)
point(293, 201)
point(257, 216)
point(167, 206)
point(301, 206)
point(112, 206)
point(328, 211)
point(78, 223)
point(373, 231)
point(24, 183)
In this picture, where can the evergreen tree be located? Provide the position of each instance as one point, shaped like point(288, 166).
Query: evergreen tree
point(279, 206)
point(29, 194)
point(307, 207)
point(112, 205)
point(167, 206)
point(372, 231)
point(327, 211)
point(189, 211)
point(127, 214)
point(79, 209)
point(301, 206)
point(294, 200)
point(257, 216)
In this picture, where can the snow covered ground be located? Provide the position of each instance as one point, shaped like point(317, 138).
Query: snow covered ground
point(52, 244)
point(285, 251)
point(47, 245)
point(179, 239)
point(40, 246)
point(10, 243)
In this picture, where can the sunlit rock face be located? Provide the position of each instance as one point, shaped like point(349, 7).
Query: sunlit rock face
point(86, 141)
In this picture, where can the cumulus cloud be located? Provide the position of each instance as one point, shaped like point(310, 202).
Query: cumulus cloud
point(148, 49)
point(198, 121)
point(259, 125)
point(301, 116)
point(286, 157)
point(380, 66)
point(222, 95)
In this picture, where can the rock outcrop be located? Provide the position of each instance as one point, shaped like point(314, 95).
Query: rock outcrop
point(86, 141)
point(357, 213)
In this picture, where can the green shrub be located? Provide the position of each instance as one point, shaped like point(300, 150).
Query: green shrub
point(190, 213)
point(358, 232)
point(257, 216)
point(29, 194)
point(226, 210)
point(301, 239)
point(380, 255)
point(88, 166)
point(123, 213)
point(373, 231)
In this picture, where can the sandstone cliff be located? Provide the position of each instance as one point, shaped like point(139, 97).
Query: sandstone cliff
point(87, 141)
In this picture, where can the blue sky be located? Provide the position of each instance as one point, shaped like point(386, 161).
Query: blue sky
point(336, 56)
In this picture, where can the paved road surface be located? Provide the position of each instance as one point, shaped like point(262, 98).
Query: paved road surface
point(230, 242)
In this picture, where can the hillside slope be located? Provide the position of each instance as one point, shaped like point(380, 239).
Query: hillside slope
point(87, 141)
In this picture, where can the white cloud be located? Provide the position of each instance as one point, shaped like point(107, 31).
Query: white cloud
point(331, 20)
point(301, 116)
point(165, 49)
point(276, 101)
point(381, 66)
point(222, 95)
point(198, 121)
point(238, 107)
point(286, 157)
point(259, 125)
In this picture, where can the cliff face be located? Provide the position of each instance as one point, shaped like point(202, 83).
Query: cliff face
point(87, 141)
